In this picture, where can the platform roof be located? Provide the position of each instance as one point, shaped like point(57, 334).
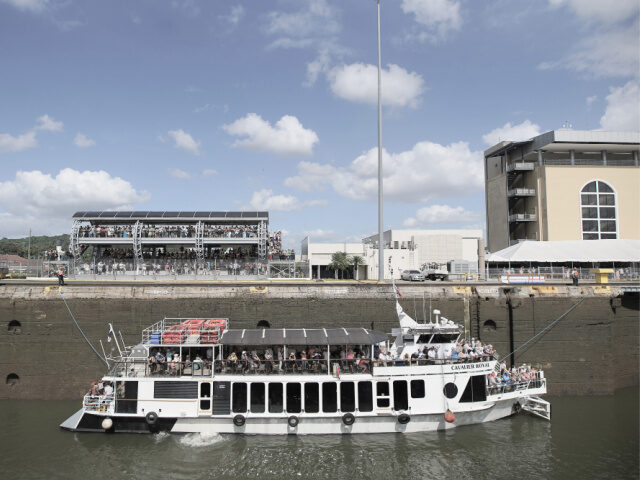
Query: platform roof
point(569, 251)
point(192, 216)
point(302, 336)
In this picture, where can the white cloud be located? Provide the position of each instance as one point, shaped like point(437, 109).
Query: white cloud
point(9, 143)
point(82, 141)
point(315, 22)
point(512, 133)
point(623, 111)
point(359, 83)
point(45, 122)
point(610, 48)
point(46, 203)
point(176, 172)
point(438, 16)
point(427, 170)
point(234, 16)
point(316, 67)
point(442, 215)
point(266, 200)
point(599, 10)
point(185, 141)
point(286, 137)
point(591, 99)
point(209, 171)
point(35, 6)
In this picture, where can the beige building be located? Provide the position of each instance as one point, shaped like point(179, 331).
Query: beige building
point(563, 185)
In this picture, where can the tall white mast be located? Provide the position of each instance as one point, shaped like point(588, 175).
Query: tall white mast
point(380, 225)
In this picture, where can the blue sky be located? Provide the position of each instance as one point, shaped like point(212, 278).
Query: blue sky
point(270, 105)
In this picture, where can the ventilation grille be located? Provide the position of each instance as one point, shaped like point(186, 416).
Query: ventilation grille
point(175, 390)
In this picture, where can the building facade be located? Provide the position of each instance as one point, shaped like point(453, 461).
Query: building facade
point(403, 250)
point(563, 185)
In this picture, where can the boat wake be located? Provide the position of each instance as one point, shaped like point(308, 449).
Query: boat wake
point(200, 439)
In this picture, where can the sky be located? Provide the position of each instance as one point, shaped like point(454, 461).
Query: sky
point(271, 105)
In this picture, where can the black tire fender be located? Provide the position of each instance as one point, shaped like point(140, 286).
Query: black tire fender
point(239, 420)
point(151, 418)
point(348, 419)
point(293, 421)
point(403, 419)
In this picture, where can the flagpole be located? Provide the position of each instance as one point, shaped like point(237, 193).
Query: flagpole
point(112, 333)
point(380, 224)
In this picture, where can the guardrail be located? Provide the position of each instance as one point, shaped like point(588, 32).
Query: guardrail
point(98, 403)
point(251, 366)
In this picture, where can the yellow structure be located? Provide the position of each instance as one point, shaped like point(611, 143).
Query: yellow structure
point(563, 185)
point(602, 274)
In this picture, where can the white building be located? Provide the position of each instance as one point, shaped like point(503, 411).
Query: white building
point(319, 256)
point(404, 250)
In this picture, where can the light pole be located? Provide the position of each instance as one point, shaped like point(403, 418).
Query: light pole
point(380, 225)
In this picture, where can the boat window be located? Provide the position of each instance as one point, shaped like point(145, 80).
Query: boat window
point(329, 397)
point(444, 338)
point(294, 400)
point(417, 388)
point(475, 391)
point(257, 397)
point(382, 389)
point(400, 395)
point(382, 392)
point(424, 338)
point(239, 403)
point(311, 398)
point(365, 394)
point(276, 402)
point(450, 390)
point(347, 397)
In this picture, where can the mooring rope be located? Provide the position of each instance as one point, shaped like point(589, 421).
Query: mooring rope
point(545, 329)
point(81, 332)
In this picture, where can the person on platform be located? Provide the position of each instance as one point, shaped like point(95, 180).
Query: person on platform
point(575, 275)
point(61, 275)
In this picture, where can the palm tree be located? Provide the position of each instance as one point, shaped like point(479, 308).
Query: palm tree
point(339, 261)
point(356, 261)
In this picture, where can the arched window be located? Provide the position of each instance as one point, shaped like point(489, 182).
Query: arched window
point(598, 206)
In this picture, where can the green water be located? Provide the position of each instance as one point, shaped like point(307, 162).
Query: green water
point(588, 438)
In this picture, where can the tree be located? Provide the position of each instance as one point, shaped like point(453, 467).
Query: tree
point(356, 261)
point(339, 261)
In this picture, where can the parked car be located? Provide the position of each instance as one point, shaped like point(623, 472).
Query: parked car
point(412, 276)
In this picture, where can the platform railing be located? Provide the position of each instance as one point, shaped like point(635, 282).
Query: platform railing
point(98, 403)
point(537, 382)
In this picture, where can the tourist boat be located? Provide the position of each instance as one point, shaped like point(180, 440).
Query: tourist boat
point(202, 388)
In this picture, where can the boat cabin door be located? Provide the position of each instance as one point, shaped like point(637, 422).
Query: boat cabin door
point(204, 398)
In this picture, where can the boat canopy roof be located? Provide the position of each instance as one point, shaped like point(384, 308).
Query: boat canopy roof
point(302, 336)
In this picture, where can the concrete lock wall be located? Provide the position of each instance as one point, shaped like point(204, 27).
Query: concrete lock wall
point(593, 350)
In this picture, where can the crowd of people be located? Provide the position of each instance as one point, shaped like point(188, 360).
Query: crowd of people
point(169, 231)
point(167, 361)
point(511, 379)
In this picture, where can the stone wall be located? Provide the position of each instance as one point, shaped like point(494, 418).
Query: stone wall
point(593, 350)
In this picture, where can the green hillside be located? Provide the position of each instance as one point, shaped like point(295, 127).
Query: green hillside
point(20, 246)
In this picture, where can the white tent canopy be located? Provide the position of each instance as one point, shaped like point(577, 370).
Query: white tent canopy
point(569, 251)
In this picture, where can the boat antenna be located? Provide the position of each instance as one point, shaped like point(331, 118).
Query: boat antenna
point(430, 311)
point(380, 225)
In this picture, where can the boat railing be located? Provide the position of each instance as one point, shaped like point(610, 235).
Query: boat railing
point(538, 381)
point(98, 403)
point(335, 366)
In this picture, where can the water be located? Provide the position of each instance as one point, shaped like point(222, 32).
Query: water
point(588, 438)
